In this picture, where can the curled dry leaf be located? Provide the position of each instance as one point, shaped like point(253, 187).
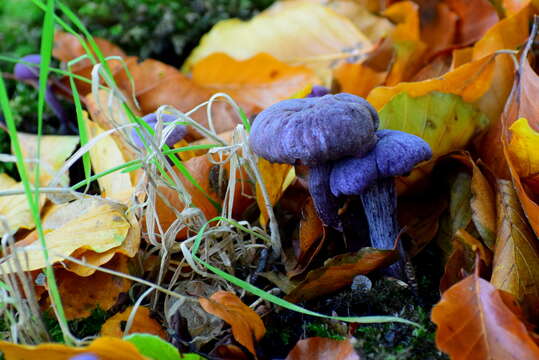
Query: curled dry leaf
point(14, 208)
point(143, 322)
point(81, 295)
point(339, 272)
point(318, 348)
point(91, 224)
point(516, 261)
point(483, 206)
point(475, 18)
point(274, 177)
point(438, 26)
point(53, 153)
point(247, 327)
point(320, 38)
point(474, 323)
point(105, 348)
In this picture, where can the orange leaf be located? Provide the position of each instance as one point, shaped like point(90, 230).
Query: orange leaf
point(246, 325)
point(358, 78)
point(339, 272)
point(318, 348)
point(105, 348)
point(475, 18)
point(274, 177)
point(438, 26)
point(255, 83)
point(143, 322)
point(516, 261)
point(474, 323)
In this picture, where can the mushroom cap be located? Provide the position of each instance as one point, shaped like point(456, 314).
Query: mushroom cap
point(396, 153)
point(25, 72)
point(177, 134)
point(318, 90)
point(315, 130)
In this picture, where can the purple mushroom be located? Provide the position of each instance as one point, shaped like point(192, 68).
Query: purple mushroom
point(371, 177)
point(336, 137)
point(177, 134)
point(318, 90)
point(26, 72)
point(84, 356)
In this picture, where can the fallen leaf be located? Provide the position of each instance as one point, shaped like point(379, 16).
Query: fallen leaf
point(358, 78)
point(458, 264)
point(321, 38)
point(406, 39)
point(318, 348)
point(247, 327)
point(474, 323)
point(438, 26)
point(81, 295)
point(156, 348)
point(143, 322)
point(106, 348)
point(15, 209)
point(524, 141)
point(92, 224)
point(273, 176)
point(516, 261)
point(475, 18)
point(483, 206)
point(54, 151)
point(339, 272)
point(255, 83)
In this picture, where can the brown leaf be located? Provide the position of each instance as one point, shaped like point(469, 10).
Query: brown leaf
point(516, 261)
point(438, 26)
point(143, 322)
point(105, 348)
point(318, 348)
point(81, 295)
point(247, 327)
point(483, 206)
point(475, 18)
point(339, 272)
point(255, 83)
point(474, 323)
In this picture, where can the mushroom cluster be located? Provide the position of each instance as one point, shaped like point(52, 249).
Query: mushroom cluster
point(176, 134)
point(337, 138)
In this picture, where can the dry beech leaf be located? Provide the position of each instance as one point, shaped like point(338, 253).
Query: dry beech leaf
point(523, 145)
point(82, 295)
point(54, 152)
point(255, 83)
point(358, 78)
point(67, 47)
point(516, 261)
point(318, 348)
point(273, 176)
point(474, 323)
point(320, 37)
point(207, 176)
point(483, 206)
point(105, 348)
point(142, 323)
point(475, 18)
point(247, 327)
point(339, 272)
point(457, 263)
point(92, 224)
point(438, 26)
point(406, 39)
point(15, 208)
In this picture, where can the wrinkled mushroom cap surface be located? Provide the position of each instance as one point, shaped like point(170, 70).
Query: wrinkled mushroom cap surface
point(25, 72)
point(177, 134)
point(315, 130)
point(396, 153)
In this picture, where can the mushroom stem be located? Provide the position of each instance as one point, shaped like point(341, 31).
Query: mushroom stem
point(380, 203)
point(57, 108)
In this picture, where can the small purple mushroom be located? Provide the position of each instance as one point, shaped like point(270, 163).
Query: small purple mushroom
point(336, 137)
point(318, 90)
point(371, 177)
point(177, 134)
point(25, 72)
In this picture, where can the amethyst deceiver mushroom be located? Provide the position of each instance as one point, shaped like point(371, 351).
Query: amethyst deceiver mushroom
point(29, 73)
point(372, 177)
point(318, 90)
point(316, 132)
point(175, 136)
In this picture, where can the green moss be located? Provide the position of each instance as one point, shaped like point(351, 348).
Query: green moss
point(80, 328)
point(322, 330)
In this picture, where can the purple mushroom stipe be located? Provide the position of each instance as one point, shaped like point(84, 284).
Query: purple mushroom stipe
point(318, 90)
point(316, 132)
point(24, 71)
point(177, 134)
point(371, 177)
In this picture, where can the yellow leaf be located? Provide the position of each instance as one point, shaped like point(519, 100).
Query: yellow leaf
point(53, 153)
point(523, 146)
point(300, 33)
point(274, 176)
point(143, 322)
point(92, 224)
point(255, 83)
point(14, 208)
point(105, 348)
